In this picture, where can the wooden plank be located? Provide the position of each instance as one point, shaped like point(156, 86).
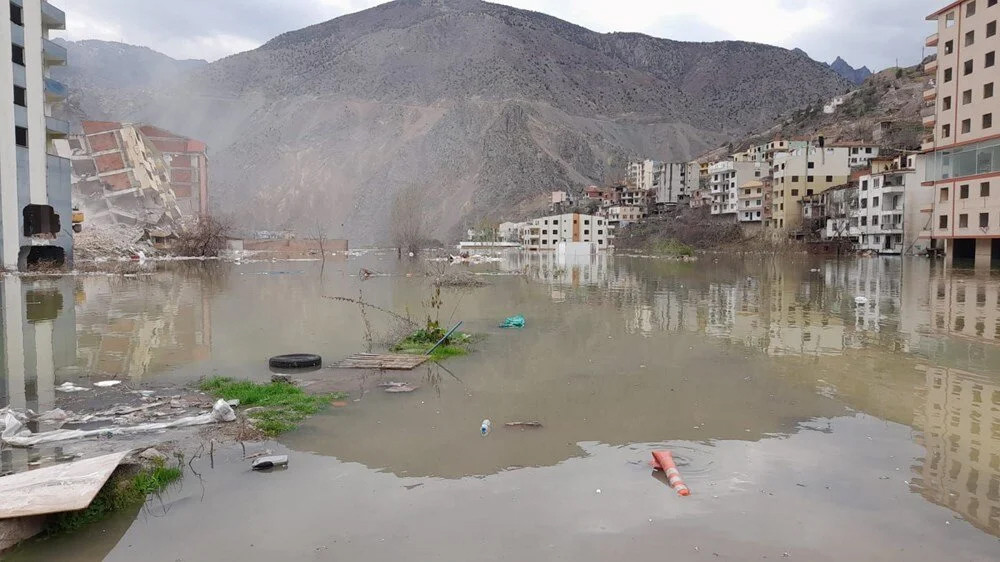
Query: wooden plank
point(393, 362)
point(63, 487)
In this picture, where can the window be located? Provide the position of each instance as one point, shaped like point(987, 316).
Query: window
point(945, 131)
point(545, 232)
point(600, 232)
point(864, 184)
point(944, 195)
point(20, 97)
point(875, 220)
point(966, 125)
point(586, 232)
point(963, 192)
point(949, 20)
point(970, 38)
point(795, 178)
point(967, 97)
point(586, 221)
point(21, 136)
point(970, 9)
point(874, 202)
point(555, 221)
point(987, 120)
point(988, 90)
point(809, 178)
point(812, 165)
point(16, 14)
point(795, 193)
point(949, 46)
point(984, 220)
point(864, 203)
point(991, 59)
point(991, 3)
point(17, 54)
point(984, 189)
point(809, 192)
point(829, 178)
point(947, 75)
point(967, 67)
point(963, 221)
point(991, 28)
point(864, 221)
point(942, 221)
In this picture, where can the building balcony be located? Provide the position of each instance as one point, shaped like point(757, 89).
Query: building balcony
point(931, 67)
point(53, 53)
point(55, 90)
point(56, 128)
point(932, 40)
point(53, 17)
point(928, 208)
point(893, 227)
point(929, 120)
point(16, 34)
point(927, 145)
point(930, 94)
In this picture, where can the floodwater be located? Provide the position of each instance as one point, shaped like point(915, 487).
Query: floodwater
point(807, 426)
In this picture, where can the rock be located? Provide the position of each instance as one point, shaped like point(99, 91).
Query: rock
point(179, 404)
point(152, 454)
point(281, 377)
point(265, 463)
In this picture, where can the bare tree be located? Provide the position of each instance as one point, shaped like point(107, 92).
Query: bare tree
point(319, 232)
point(409, 222)
point(205, 238)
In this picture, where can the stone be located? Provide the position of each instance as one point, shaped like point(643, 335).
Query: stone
point(152, 454)
point(281, 377)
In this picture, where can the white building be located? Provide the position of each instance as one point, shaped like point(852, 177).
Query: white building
point(677, 182)
point(35, 193)
point(751, 200)
point(859, 154)
point(645, 174)
point(881, 205)
point(510, 231)
point(724, 180)
point(545, 233)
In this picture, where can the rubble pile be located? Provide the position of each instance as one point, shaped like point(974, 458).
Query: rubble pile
point(111, 241)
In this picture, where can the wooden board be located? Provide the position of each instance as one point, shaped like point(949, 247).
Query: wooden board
point(392, 362)
point(63, 487)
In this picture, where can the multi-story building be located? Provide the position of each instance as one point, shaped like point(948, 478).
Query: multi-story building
point(677, 182)
point(881, 204)
point(187, 168)
point(751, 203)
point(963, 155)
point(644, 174)
point(35, 200)
point(800, 172)
point(545, 233)
point(841, 220)
point(860, 153)
point(621, 215)
point(725, 179)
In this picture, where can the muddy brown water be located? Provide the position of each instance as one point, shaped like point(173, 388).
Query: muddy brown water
point(808, 426)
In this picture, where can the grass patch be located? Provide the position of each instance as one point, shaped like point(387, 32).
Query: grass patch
point(281, 405)
point(420, 341)
point(122, 491)
point(672, 247)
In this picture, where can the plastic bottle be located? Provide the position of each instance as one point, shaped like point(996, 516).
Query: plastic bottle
point(485, 428)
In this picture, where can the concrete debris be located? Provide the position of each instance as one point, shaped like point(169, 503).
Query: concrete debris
point(105, 384)
point(265, 463)
point(110, 240)
point(400, 388)
point(151, 454)
point(70, 387)
point(63, 487)
point(281, 377)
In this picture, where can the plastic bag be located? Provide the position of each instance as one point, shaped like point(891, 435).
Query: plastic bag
point(513, 322)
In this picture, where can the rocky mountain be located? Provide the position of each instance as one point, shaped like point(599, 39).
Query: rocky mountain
point(853, 75)
point(105, 78)
point(481, 108)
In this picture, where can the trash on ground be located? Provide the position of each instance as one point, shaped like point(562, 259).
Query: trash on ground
point(860, 300)
point(664, 460)
point(105, 384)
point(15, 434)
point(265, 463)
point(524, 424)
point(70, 387)
point(399, 387)
point(295, 361)
point(513, 322)
point(391, 362)
point(485, 428)
point(62, 487)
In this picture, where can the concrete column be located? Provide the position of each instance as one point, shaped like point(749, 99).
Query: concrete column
point(13, 341)
point(984, 253)
point(949, 252)
point(35, 74)
point(9, 223)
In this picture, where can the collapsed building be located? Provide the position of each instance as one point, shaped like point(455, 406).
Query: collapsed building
point(140, 175)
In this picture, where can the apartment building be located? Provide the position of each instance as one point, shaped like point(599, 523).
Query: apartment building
point(622, 215)
point(545, 233)
point(963, 153)
point(35, 200)
point(677, 182)
point(801, 172)
point(859, 153)
point(187, 168)
point(751, 202)
point(725, 179)
point(841, 220)
point(881, 205)
point(644, 174)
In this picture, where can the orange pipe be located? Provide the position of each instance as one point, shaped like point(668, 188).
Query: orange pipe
point(663, 460)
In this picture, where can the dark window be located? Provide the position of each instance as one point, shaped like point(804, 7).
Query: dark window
point(949, 46)
point(809, 178)
point(991, 59)
point(970, 9)
point(988, 90)
point(942, 221)
point(970, 38)
point(967, 67)
point(963, 221)
point(20, 96)
point(864, 184)
point(864, 221)
point(812, 165)
point(555, 221)
point(16, 14)
point(600, 232)
point(967, 97)
point(991, 28)
point(586, 232)
point(545, 232)
point(17, 54)
point(984, 220)
point(963, 192)
point(947, 75)
point(21, 136)
point(586, 221)
point(868, 150)
point(874, 201)
point(991, 3)
point(795, 178)
point(875, 220)
point(829, 178)
point(966, 125)
point(809, 192)
point(795, 193)
point(987, 120)
point(944, 194)
point(984, 189)
point(946, 103)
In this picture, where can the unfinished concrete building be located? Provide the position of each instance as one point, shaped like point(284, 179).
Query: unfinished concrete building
point(187, 167)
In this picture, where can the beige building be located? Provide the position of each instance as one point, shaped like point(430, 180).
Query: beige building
point(726, 177)
point(963, 155)
point(751, 202)
point(545, 233)
point(800, 172)
point(621, 215)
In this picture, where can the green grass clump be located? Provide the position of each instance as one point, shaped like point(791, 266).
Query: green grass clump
point(119, 493)
point(420, 341)
point(283, 405)
point(673, 248)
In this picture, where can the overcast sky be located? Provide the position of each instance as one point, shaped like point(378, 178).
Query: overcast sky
point(865, 32)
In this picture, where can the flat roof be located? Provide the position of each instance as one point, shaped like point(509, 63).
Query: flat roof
point(945, 9)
